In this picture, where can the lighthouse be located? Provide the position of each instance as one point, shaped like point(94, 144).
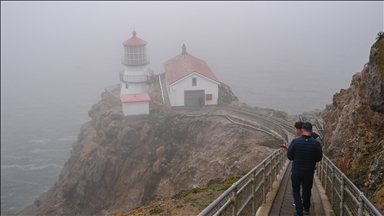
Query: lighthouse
point(135, 79)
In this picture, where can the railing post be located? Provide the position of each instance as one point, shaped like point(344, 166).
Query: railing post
point(270, 174)
point(322, 171)
point(326, 177)
point(234, 201)
point(264, 188)
point(253, 193)
point(361, 205)
point(281, 160)
point(342, 195)
point(332, 184)
point(275, 166)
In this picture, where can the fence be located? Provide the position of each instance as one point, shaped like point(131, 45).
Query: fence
point(276, 123)
point(344, 196)
point(246, 195)
point(281, 127)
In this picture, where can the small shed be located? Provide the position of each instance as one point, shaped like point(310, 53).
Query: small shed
point(190, 81)
point(135, 106)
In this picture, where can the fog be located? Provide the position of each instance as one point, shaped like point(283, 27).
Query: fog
point(55, 46)
point(57, 58)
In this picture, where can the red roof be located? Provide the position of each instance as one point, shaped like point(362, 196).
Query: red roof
point(129, 98)
point(185, 64)
point(134, 41)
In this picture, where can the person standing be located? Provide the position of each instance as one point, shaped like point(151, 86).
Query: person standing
point(298, 125)
point(304, 151)
point(298, 130)
point(201, 102)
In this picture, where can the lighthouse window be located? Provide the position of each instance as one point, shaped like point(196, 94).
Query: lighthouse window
point(126, 86)
point(194, 82)
point(135, 55)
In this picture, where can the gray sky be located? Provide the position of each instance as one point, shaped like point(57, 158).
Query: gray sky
point(81, 42)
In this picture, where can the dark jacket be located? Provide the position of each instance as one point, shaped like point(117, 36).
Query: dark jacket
point(314, 135)
point(305, 151)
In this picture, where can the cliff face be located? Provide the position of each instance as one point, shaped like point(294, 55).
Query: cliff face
point(118, 165)
point(375, 80)
point(354, 129)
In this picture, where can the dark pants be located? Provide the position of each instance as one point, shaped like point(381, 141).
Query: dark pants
point(306, 182)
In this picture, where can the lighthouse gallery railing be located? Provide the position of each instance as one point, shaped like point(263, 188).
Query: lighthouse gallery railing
point(132, 78)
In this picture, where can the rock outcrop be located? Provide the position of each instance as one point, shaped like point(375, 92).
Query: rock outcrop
point(375, 79)
point(117, 165)
point(354, 129)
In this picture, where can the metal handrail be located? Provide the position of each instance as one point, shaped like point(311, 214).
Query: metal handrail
point(246, 195)
point(161, 88)
point(281, 127)
point(250, 111)
point(259, 129)
point(344, 196)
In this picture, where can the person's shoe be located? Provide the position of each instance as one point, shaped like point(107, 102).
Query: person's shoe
point(306, 211)
point(295, 214)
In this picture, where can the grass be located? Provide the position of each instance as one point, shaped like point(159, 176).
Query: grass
point(272, 143)
point(198, 198)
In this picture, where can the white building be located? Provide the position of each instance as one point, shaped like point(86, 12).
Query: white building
point(188, 79)
point(134, 79)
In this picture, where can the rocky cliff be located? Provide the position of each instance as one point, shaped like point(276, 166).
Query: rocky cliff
point(117, 165)
point(354, 128)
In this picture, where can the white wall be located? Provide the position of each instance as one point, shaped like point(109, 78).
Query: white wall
point(136, 108)
point(136, 68)
point(176, 90)
point(134, 88)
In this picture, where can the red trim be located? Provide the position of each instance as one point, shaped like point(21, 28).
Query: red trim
point(129, 98)
point(185, 64)
point(208, 97)
point(134, 41)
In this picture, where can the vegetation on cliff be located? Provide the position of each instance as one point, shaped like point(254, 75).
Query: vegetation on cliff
point(187, 202)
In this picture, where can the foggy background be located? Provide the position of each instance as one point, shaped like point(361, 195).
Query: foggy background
point(268, 45)
point(57, 58)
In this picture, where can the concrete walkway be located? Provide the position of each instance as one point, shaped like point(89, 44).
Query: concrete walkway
point(280, 201)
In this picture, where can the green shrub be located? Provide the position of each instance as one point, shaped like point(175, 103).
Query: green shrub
point(379, 35)
point(155, 211)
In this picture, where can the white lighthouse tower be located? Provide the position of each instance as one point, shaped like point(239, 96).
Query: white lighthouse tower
point(134, 79)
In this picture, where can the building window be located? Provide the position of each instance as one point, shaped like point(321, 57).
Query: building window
point(194, 82)
point(126, 85)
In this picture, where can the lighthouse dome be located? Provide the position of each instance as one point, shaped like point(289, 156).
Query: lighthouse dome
point(134, 41)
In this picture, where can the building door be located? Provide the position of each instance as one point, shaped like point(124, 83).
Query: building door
point(191, 98)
